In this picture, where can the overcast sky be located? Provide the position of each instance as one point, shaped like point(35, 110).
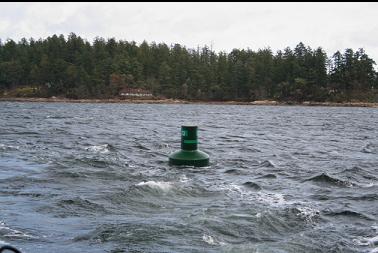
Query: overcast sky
point(333, 26)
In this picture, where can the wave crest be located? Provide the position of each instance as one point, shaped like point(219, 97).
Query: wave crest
point(326, 179)
point(157, 185)
point(102, 149)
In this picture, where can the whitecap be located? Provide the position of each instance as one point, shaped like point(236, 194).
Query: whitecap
point(12, 233)
point(158, 185)
point(271, 198)
point(307, 213)
point(103, 149)
point(208, 239)
point(267, 163)
point(184, 179)
point(8, 147)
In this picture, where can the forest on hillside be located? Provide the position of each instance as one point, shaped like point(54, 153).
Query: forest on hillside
point(72, 67)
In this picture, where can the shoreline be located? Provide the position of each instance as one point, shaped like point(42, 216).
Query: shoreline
point(179, 101)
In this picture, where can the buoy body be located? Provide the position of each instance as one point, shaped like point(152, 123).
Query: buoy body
point(189, 154)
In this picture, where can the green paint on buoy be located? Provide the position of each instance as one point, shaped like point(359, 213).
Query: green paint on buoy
point(189, 154)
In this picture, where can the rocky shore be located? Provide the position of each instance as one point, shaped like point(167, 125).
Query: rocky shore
point(177, 101)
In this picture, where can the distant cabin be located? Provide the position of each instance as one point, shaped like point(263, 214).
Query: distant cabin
point(135, 93)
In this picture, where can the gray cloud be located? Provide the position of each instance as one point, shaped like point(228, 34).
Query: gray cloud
point(333, 26)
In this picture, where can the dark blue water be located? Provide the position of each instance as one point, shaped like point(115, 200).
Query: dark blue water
point(94, 178)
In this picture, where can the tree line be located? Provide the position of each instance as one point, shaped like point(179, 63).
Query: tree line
point(75, 68)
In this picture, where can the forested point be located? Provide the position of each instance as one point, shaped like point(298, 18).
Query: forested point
point(72, 67)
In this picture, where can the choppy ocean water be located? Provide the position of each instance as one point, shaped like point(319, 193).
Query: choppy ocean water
point(95, 178)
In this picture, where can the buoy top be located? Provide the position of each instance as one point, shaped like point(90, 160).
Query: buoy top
point(189, 138)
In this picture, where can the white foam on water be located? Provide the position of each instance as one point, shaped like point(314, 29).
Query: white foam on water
point(103, 149)
point(270, 198)
point(184, 179)
point(273, 199)
point(233, 188)
point(208, 239)
point(8, 147)
point(9, 232)
point(307, 213)
point(158, 185)
point(371, 242)
point(3, 242)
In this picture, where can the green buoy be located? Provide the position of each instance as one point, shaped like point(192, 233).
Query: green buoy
point(189, 155)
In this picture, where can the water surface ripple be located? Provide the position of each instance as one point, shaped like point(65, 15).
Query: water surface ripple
point(94, 178)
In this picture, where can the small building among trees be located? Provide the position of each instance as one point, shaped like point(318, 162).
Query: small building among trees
point(139, 93)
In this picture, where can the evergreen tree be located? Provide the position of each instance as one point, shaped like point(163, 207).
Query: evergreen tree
point(73, 67)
